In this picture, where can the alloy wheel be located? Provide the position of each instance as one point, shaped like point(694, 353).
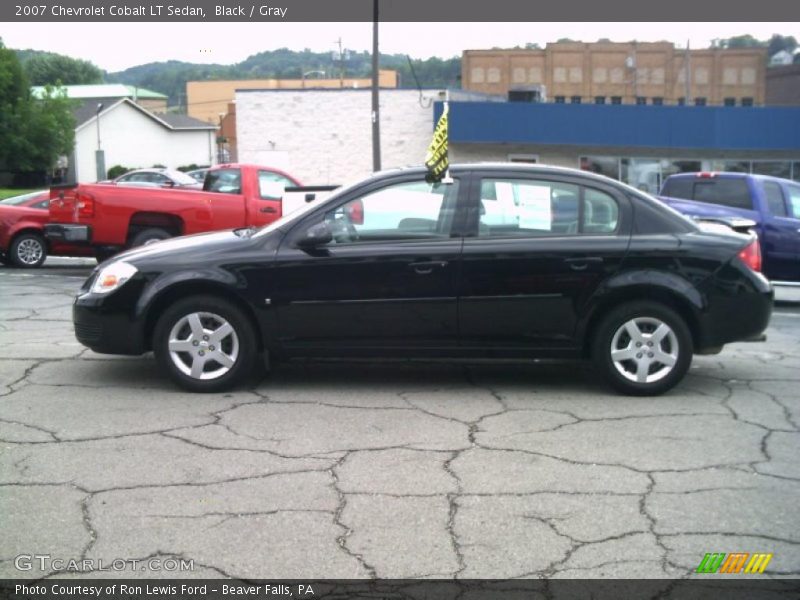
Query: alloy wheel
point(644, 350)
point(203, 345)
point(30, 251)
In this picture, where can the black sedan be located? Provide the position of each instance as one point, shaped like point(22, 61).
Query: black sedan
point(497, 261)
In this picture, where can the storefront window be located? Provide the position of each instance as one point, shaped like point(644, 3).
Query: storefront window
point(776, 168)
point(603, 165)
point(643, 173)
point(672, 167)
point(730, 166)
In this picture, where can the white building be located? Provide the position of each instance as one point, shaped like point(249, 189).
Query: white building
point(325, 136)
point(134, 137)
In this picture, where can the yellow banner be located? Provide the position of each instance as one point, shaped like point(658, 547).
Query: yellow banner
point(436, 159)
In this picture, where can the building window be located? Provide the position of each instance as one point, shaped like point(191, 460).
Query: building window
point(681, 101)
point(748, 76)
point(600, 74)
point(518, 75)
point(642, 75)
point(701, 76)
point(535, 75)
point(730, 76)
point(493, 75)
point(559, 75)
point(575, 75)
point(641, 100)
point(477, 75)
point(560, 99)
point(599, 99)
point(616, 99)
point(658, 101)
point(575, 99)
point(617, 75)
point(747, 102)
point(730, 101)
point(700, 101)
point(657, 76)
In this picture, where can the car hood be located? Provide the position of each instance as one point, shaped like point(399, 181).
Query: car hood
point(186, 247)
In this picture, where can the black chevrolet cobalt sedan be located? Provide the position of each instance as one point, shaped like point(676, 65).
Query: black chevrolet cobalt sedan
point(498, 261)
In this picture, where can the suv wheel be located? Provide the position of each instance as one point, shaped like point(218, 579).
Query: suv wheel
point(642, 348)
point(28, 250)
point(205, 344)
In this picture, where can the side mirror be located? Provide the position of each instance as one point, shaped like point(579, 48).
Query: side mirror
point(316, 235)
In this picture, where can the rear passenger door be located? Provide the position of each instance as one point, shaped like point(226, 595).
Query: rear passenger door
point(780, 235)
point(537, 249)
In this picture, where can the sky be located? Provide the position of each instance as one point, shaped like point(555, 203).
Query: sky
point(117, 46)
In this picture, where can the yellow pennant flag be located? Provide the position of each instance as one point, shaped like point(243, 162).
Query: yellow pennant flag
point(436, 159)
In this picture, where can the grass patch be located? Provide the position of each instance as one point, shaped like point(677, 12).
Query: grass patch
point(8, 192)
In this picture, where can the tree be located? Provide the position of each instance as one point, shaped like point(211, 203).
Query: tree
point(781, 42)
point(739, 41)
point(34, 132)
point(45, 68)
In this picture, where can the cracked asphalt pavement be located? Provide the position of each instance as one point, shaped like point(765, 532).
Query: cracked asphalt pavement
point(352, 470)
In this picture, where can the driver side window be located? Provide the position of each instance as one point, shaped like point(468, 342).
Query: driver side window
point(404, 211)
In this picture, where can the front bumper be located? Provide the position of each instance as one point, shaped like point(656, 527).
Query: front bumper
point(61, 232)
point(106, 323)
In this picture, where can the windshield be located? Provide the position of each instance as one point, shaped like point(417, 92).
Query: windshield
point(180, 178)
point(15, 200)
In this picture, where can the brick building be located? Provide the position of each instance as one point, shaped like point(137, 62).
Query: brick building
point(622, 73)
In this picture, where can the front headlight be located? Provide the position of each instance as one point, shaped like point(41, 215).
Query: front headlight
point(113, 277)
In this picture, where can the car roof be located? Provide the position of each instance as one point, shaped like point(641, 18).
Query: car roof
point(511, 167)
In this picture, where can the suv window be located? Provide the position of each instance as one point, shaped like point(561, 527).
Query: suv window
point(537, 208)
point(678, 187)
point(794, 199)
point(224, 181)
point(725, 192)
point(404, 211)
point(775, 202)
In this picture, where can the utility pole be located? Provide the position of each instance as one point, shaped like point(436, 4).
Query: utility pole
point(341, 63)
point(376, 124)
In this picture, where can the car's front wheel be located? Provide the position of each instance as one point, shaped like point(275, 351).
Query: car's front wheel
point(642, 348)
point(28, 250)
point(205, 344)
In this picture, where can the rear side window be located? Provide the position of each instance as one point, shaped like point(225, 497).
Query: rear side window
point(775, 201)
point(725, 192)
point(794, 199)
point(224, 181)
point(678, 187)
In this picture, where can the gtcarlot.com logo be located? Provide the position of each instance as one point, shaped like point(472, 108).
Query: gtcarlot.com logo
point(45, 562)
point(735, 562)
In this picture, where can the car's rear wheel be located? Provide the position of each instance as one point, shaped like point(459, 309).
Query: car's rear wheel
point(28, 250)
point(205, 344)
point(150, 236)
point(642, 348)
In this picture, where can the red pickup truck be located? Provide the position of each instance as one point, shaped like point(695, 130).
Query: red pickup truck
point(110, 218)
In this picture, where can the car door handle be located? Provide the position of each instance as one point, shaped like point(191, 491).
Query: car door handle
point(269, 209)
point(427, 266)
point(581, 263)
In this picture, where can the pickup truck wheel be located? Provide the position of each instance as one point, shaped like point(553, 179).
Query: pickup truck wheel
point(205, 344)
point(149, 236)
point(28, 250)
point(642, 348)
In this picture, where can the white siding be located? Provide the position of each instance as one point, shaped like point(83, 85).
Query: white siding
point(134, 140)
point(325, 137)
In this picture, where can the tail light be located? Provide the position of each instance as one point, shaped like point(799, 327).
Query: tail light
point(751, 255)
point(355, 212)
point(85, 203)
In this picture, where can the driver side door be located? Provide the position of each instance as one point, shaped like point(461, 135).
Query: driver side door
point(387, 281)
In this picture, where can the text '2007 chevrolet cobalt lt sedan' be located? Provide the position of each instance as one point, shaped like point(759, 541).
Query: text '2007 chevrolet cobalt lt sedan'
point(499, 261)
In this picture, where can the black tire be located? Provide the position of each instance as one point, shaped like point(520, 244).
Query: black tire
point(671, 344)
point(240, 344)
point(28, 251)
point(148, 236)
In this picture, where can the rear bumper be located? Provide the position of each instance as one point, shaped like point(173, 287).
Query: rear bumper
point(60, 232)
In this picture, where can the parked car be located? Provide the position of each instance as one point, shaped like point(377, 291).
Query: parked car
point(582, 267)
point(170, 178)
point(22, 240)
point(773, 204)
point(198, 175)
point(110, 218)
